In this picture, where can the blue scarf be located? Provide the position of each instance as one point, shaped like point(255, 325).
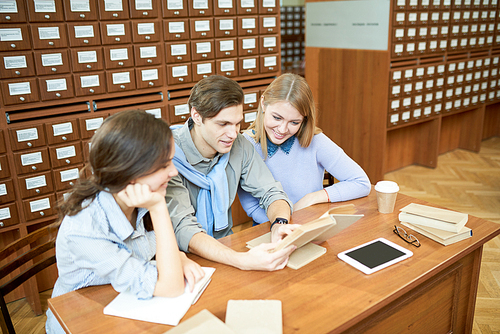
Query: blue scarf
point(213, 198)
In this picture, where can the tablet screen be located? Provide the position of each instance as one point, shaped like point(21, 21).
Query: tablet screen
point(375, 254)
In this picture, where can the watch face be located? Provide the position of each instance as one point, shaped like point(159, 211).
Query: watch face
point(281, 221)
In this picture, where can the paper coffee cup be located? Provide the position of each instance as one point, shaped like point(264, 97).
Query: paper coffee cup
point(387, 191)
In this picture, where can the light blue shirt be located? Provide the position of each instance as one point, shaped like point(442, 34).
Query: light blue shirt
point(99, 246)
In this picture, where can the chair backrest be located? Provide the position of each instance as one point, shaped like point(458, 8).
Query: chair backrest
point(43, 240)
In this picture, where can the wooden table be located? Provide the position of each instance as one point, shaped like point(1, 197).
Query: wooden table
point(432, 292)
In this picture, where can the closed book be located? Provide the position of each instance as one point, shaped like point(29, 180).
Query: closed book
point(255, 316)
point(442, 219)
point(443, 237)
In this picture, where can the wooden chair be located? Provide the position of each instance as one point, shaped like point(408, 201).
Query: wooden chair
point(43, 240)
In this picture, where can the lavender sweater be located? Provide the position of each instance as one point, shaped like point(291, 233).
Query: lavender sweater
point(301, 172)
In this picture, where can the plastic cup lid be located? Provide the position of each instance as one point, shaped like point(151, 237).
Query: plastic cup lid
point(387, 187)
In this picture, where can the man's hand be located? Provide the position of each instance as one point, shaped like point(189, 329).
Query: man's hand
point(260, 258)
point(280, 231)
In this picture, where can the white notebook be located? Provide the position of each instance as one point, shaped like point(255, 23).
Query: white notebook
point(161, 310)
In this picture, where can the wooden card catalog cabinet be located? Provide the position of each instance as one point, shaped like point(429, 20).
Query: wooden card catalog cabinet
point(147, 55)
point(268, 24)
point(14, 37)
point(19, 91)
point(268, 7)
point(226, 48)
point(45, 10)
point(225, 27)
point(224, 7)
point(227, 67)
point(49, 35)
point(27, 137)
point(89, 84)
point(174, 8)
point(3, 148)
point(58, 133)
point(113, 9)
point(248, 65)
point(119, 56)
point(180, 73)
point(202, 50)
point(69, 154)
point(116, 32)
point(178, 52)
point(4, 167)
point(248, 46)
point(159, 111)
point(201, 28)
point(52, 62)
point(203, 70)
point(118, 81)
point(84, 34)
point(36, 185)
point(8, 215)
point(248, 118)
point(39, 207)
point(80, 10)
point(145, 32)
point(178, 111)
point(12, 11)
point(89, 125)
point(247, 7)
point(201, 8)
point(248, 25)
point(65, 178)
point(250, 99)
point(32, 161)
point(143, 8)
point(87, 59)
point(16, 64)
point(7, 193)
point(269, 44)
point(149, 77)
point(56, 88)
point(176, 30)
point(269, 63)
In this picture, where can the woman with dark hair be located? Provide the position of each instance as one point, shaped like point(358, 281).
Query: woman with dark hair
point(297, 152)
point(115, 221)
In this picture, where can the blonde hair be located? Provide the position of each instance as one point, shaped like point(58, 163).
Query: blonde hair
point(293, 89)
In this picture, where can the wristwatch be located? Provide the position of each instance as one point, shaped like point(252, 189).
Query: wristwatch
point(279, 221)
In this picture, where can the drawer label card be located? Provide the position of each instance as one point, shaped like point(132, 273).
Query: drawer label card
point(4, 213)
point(181, 109)
point(145, 28)
point(89, 81)
point(202, 25)
point(93, 124)
point(174, 5)
point(70, 174)
point(45, 6)
point(3, 189)
point(19, 88)
point(225, 3)
point(121, 78)
point(227, 66)
point(176, 27)
point(8, 6)
point(248, 23)
point(204, 68)
point(56, 85)
point(49, 33)
point(118, 54)
point(247, 4)
point(270, 61)
point(148, 52)
point(148, 75)
point(39, 205)
point(178, 50)
point(79, 5)
point(249, 63)
point(36, 182)
point(226, 25)
point(250, 116)
point(226, 45)
point(62, 129)
point(11, 35)
point(269, 42)
point(65, 152)
point(269, 22)
point(250, 98)
point(248, 43)
point(52, 59)
point(115, 29)
point(200, 4)
point(27, 134)
point(84, 31)
point(143, 5)
point(156, 112)
point(15, 62)
point(31, 159)
point(113, 6)
point(269, 3)
point(87, 57)
point(179, 71)
point(204, 47)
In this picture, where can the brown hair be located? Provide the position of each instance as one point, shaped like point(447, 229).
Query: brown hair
point(128, 145)
point(214, 93)
point(294, 89)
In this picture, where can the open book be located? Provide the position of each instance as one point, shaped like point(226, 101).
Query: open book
point(161, 310)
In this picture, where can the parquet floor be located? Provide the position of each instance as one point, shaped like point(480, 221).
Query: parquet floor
point(463, 181)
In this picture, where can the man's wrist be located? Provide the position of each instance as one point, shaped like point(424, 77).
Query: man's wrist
point(281, 221)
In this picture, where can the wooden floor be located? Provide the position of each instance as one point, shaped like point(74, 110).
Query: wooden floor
point(464, 181)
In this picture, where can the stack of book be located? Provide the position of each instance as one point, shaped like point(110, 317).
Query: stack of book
point(443, 226)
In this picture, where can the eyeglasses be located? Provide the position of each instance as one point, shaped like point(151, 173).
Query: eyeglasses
point(409, 238)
